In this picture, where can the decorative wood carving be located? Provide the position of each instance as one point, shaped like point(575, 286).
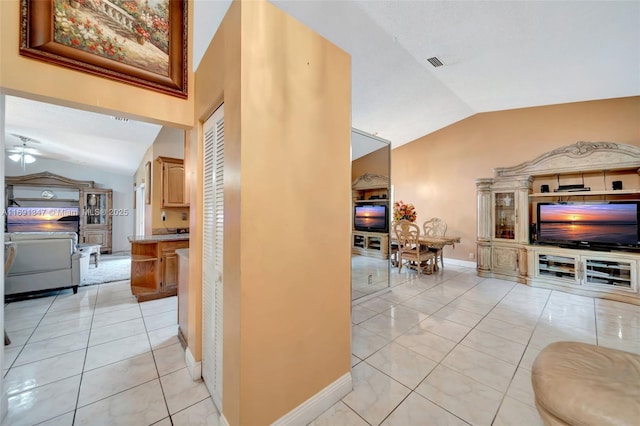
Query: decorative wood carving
point(47, 179)
point(579, 157)
point(370, 180)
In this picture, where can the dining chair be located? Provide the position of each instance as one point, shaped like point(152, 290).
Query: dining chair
point(9, 256)
point(435, 228)
point(409, 248)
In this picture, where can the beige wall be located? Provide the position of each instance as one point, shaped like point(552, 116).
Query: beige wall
point(436, 172)
point(169, 143)
point(218, 79)
point(140, 177)
point(34, 79)
point(287, 220)
point(376, 162)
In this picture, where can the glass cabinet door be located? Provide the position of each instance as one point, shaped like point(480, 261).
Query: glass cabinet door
point(97, 208)
point(504, 216)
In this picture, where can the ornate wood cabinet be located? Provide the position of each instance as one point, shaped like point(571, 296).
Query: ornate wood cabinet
point(507, 209)
point(371, 189)
point(54, 192)
point(97, 212)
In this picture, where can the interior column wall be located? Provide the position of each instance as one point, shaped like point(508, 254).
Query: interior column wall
point(286, 229)
point(218, 80)
point(295, 218)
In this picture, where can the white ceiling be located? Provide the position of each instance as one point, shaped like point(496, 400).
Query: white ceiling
point(76, 136)
point(498, 55)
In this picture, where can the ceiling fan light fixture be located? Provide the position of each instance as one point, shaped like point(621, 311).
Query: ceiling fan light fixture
point(28, 158)
point(15, 157)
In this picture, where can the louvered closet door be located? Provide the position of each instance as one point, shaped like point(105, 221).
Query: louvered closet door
point(212, 249)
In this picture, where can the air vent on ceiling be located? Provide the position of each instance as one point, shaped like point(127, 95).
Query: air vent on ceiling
point(121, 119)
point(435, 62)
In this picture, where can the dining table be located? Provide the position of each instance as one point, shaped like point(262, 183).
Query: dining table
point(428, 242)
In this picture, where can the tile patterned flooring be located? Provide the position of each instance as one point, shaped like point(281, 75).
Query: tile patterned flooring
point(455, 349)
point(444, 349)
point(368, 275)
point(99, 358)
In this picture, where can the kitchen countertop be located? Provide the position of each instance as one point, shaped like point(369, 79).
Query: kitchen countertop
point(157, 238)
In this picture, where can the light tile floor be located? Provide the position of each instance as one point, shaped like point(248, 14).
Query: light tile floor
point(368, 275)
point(445, 349)
point(455, 349)
point(99, 358)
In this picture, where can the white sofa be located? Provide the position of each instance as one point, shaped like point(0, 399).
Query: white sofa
point(44, 261)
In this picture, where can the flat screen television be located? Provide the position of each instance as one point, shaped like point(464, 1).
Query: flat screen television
point(604, 224)
point(42, 219)
point(371, 217)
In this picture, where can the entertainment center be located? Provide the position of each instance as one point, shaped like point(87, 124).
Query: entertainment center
point(583, 237)
point(370, 234)
point(46, 202)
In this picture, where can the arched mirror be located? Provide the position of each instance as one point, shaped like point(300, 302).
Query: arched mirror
point(371, 214)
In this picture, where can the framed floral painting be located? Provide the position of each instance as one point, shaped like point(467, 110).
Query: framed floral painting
point(140, 42)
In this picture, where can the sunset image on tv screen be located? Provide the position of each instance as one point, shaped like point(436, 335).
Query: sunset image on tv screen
point(370, 217)
point(609, 223)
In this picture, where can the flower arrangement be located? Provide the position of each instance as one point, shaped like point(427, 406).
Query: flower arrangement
point(82, 33)
point(141, 32)
point(404, 211)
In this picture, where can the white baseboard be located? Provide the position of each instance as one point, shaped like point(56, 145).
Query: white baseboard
point(223, 420)
point(458, 262)
point(306, 412)
point(194, 368)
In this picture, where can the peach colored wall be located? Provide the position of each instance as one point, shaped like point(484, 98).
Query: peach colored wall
point(295, 219)
point(217, 80)
point(376, 162)
point(30, 78)
point(140, 177)
point(276, 157)
point(436, 172)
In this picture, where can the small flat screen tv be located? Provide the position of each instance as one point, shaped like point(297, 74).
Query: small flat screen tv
point(371, 217)
point(589, 224)
point(42, 219)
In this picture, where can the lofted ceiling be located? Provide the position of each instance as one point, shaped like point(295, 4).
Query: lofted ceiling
point(497, 55)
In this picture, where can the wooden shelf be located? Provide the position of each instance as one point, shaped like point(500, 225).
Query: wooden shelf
point(583, 193)
point(378, 200)
point(142, 258)
point(154, 268)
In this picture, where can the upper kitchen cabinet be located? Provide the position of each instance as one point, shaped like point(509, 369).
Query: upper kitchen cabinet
point(173, 183)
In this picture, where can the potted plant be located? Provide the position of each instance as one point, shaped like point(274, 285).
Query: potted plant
point(141, 34)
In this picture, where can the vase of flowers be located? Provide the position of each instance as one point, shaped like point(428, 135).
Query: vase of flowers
point(141, 34)
point(404, 211)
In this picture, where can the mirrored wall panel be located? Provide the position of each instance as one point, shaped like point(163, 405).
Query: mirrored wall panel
point(371, 214)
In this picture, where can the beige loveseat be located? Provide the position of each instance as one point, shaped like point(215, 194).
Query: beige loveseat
point(44, 261)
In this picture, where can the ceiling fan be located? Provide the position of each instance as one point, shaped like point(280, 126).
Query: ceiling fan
point(22, 153)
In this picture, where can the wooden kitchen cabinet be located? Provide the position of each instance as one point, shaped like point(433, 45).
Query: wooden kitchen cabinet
point(173, 182)
point(154, 265)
